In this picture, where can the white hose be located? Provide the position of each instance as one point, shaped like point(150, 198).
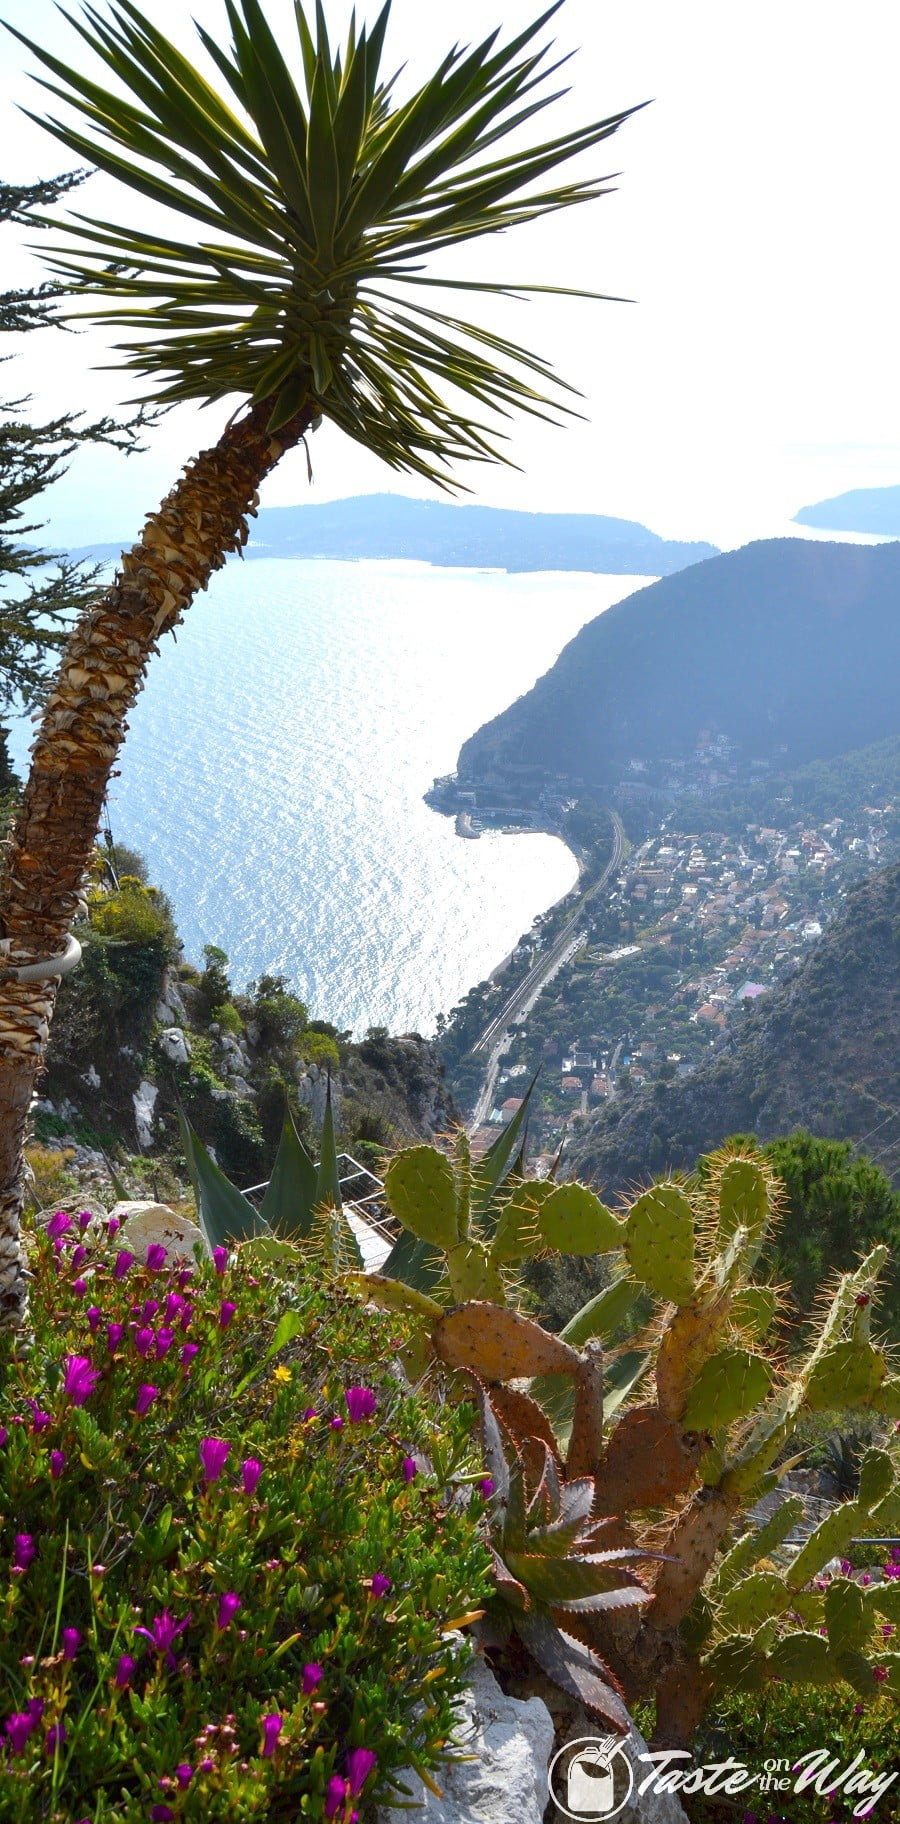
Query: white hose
point(69, 959)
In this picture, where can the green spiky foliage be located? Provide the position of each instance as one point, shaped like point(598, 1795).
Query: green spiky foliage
point(313, 199)
point(682, 1457)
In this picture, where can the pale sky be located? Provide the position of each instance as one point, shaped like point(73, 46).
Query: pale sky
point(754, 226)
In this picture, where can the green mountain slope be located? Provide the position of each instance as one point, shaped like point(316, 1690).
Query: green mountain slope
point(823, 1052)
point(789, 648)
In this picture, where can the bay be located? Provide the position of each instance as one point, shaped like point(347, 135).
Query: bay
point(275, 764)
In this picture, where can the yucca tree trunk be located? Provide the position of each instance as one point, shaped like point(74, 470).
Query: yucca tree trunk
point(102, 671)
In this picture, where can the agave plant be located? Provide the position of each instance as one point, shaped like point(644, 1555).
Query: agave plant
point(312, 196)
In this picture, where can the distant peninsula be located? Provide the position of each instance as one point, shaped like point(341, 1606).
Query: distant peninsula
point(860, 510)
point(436, 532)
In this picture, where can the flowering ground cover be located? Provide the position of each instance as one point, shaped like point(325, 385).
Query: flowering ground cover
point(232, 1544)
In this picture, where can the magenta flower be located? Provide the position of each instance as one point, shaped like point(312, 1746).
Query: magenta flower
point(57, 1463)
point(4, 1434)
point(84, 1220)
point(149, 1309)
point(887, 1630)
point(58, 1224)
point(113, 1226)
point(114, 1335)
point(24, 1549)
point(79, 1287)
point(145, 1398)
point(93, 1315)
point(310, 1412)
point(174, 1304)
point(251, 1470)
point(336, 1424)
point(161, 1814)
point(123, 1261)
point(335, 1793)
point(144, 1340)
point(19, 1727)
point(184, 1775)
point(71, 1640)
point(486, 1487)
point(312, 1676)
point(39, 1420)
point(186, 1315)
point(380, 1585)
point(360, 1763)
point(55, 1738)
point(164, 1340)
point(271, 1731)
point(228, 1608)
point(361, 1404)
point(188, 1351)
point(79, 1256)
point(163, 1633)
point(124, 1670)
point(220, 1259)
point(156, 1256)
point(409, 1468)
point(214, 1454)
point(80, 1379)
point(227, 1310)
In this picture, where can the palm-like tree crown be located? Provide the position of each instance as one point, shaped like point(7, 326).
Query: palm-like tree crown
point(321, 198)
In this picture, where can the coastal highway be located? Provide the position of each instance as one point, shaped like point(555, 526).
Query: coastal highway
point(493, 1040)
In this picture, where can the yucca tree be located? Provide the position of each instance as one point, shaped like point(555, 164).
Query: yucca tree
point(311, 199)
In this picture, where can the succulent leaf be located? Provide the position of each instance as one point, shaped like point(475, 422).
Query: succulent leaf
point(730, 1384)
point(573, 1667)
point(876, 1479)
point(755, 1599)
point(603, 1315)
point(753, 1310)
point(847, 1374)
point(802, 1659)
point(744, 1204)
point(473, 1274)
point(758, 1543)
point(574, 1221)
point(421, 1191)
point(847, 1617)
point(516, 1236)
point(736, 1664)
point(659, 1242)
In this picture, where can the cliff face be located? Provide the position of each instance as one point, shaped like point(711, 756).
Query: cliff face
point(788, 647)
point(823, 1052)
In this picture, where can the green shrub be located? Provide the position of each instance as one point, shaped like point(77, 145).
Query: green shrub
point(227, 1585)
point(133, 915)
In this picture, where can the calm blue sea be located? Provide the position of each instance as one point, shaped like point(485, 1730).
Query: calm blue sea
point(275, 764)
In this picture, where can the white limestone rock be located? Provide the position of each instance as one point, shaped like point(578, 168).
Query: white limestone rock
point(639, 1808)
point(506, 1782)
point(144, 1100)
point(144, 1223)
point(175, 1045)
point(91, 1077)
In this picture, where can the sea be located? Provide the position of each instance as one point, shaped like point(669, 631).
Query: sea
point(275, 764)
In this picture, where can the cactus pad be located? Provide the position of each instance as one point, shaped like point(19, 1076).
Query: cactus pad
point(802, 1659)
point(756, 1545)
point(659, 1241)
point(516, 1236)
point(830, 1540)
point(876, 1479)
point(743, 1204)
point(689, 1340)
point(887, 1399)
point(847, 1374)
point(421, 1191)
point(755, 1599)
point(753, 1310)
point(847, 1616)
point(473, 1274)
point(499, 1345)
point(736, 1664)
point(728, 1386)
point(574, 1221)
point(647, 1461)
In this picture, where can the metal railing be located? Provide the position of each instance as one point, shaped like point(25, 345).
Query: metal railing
point(361, 1191)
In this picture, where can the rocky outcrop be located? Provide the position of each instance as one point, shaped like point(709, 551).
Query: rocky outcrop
point(503, 1780)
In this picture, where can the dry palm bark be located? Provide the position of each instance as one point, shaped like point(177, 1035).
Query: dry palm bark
point(198, 524)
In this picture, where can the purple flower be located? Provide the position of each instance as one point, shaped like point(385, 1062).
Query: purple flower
point(184, 1775)
point(226, 1312)
point(94, 1315)
point(145, 1398)
point(360, 1763)
point(24, 1549)
point(161, 1814)
point(114, 1335)
point(188, 1351)
point(336, 1424)
point(58, 1224)
point(486, 1487)
point(123, 1261)
point(409, 1468)
point(84, 1220)
point(380, 1585)
point(859, 1709)
point(57, 1463)
point(335, 1794)
point(156, 1256)
point(312, 1676)
point(251, 1470)
point(163, 1633)
point(271, 1731)
point(214, 1454)
point(79, 1255)
point(164, 1340)
point(124, 1670)
point(879, 1673)
point(113, 1226)
point(79, 1287)
point(186, 1315)
point(361, 1404)
point(174, 1304)
point(149, 1309)
point(71, 1640)
point(310, 1412)
point(19, 1727)
point(55, 1738)
point(39, 1420)
point(220, 1259)
point(228, 1608)
point(144, 1340)
point(4, 1434)
point(80, 1379)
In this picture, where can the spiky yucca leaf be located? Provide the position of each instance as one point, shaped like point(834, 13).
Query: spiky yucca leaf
point(311, 196)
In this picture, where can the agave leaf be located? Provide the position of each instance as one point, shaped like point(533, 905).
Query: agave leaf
point(290, 1197)
point(414, 1263)
point(225, 1215)
point(558, 1580)
point(621, 1377)
point(491, 1170)
point(574, 1668)
point(328, 1183)
point(494, 1455)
